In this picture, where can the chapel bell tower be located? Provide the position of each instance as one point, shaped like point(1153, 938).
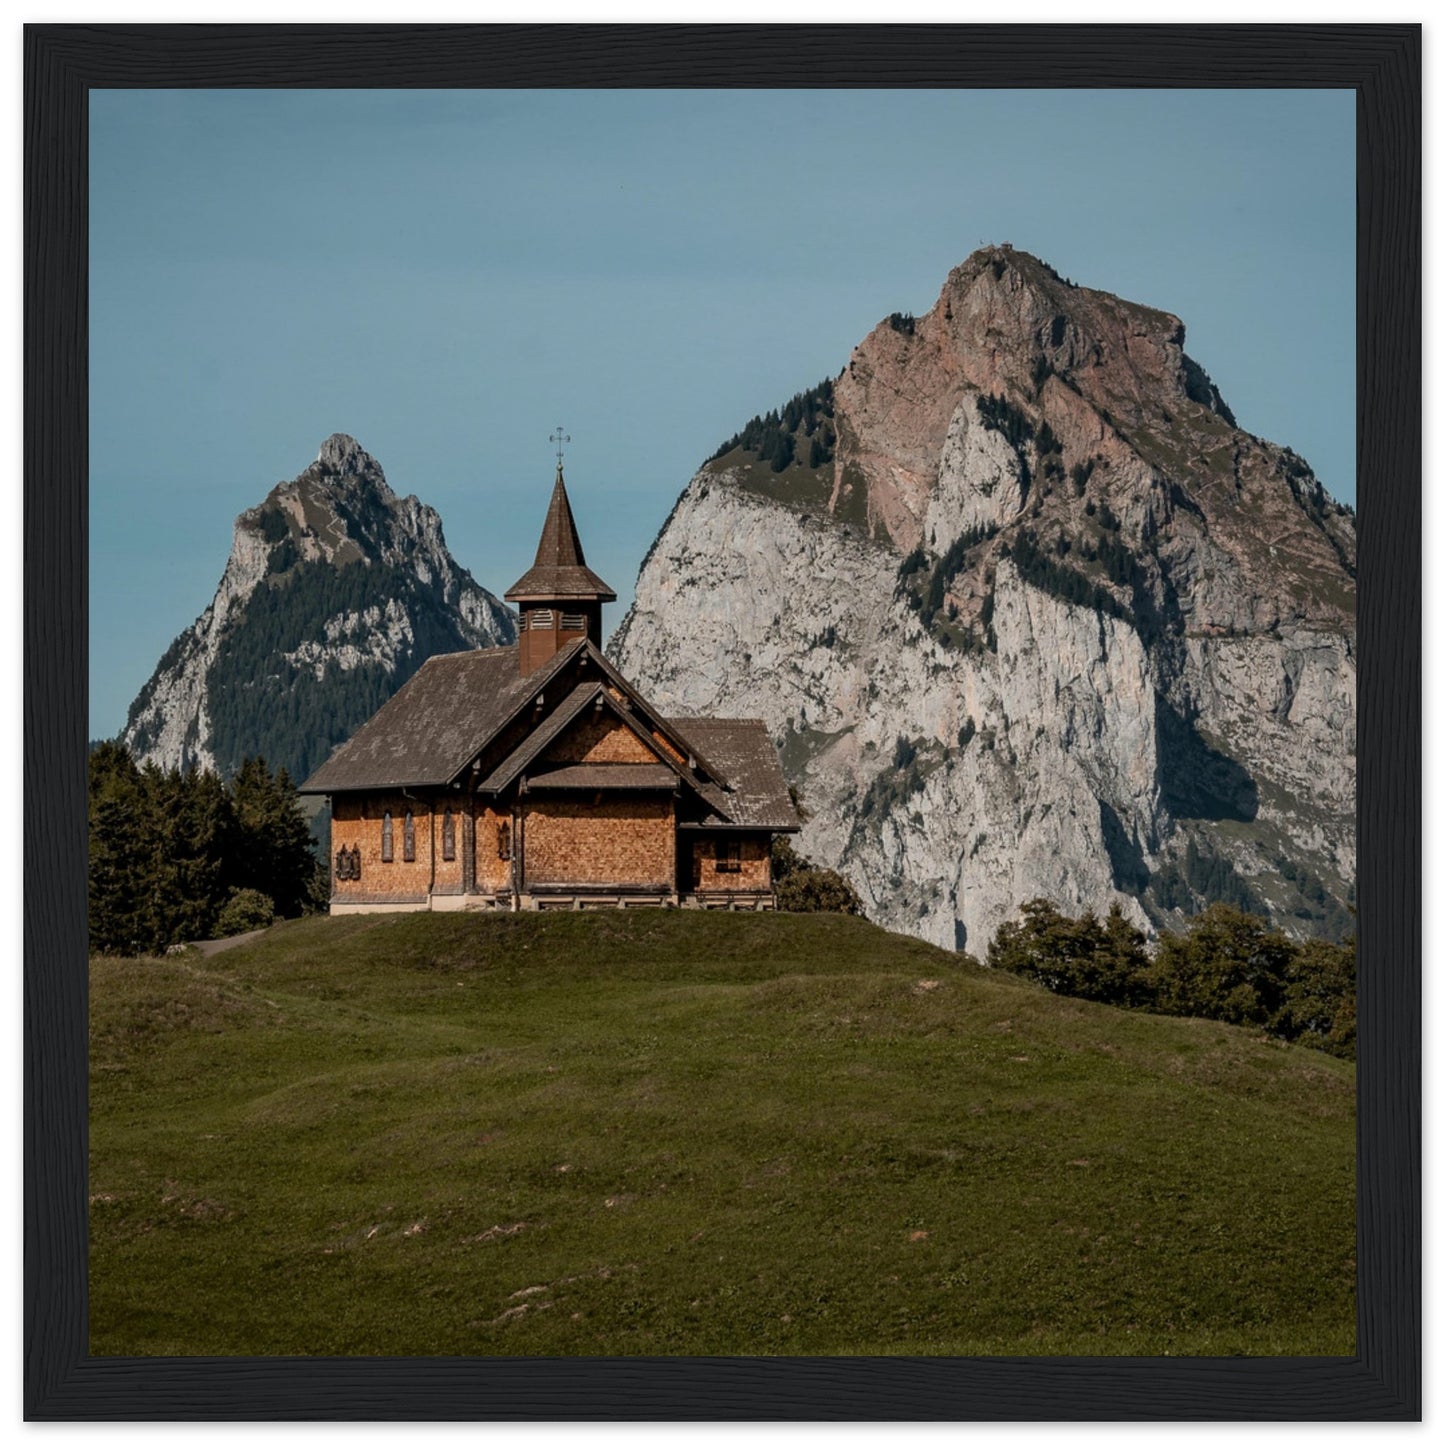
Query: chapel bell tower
point(560, 599)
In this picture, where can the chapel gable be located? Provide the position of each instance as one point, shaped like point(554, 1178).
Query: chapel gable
point(599, 738)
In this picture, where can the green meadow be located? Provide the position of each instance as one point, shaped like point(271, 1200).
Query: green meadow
point(654, 1133)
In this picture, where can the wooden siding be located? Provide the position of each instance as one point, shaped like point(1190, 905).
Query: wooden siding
point(448, 876)
point(618, 842)
point(356, 821)
point(604, 739)
point(493, 874)
point(755, 868)
point(667, 747)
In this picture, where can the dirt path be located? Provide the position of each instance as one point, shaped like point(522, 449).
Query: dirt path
point(208, 946)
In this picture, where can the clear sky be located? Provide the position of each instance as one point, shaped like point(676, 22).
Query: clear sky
point(448, 275)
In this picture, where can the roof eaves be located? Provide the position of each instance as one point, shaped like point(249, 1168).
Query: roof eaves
point(540, 677)
point(527, 751)
point(677, 739)
point(625, 715)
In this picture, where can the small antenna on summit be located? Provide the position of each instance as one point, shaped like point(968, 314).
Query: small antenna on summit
point(558, 437)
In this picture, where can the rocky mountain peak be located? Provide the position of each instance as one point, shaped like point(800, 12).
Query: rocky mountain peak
point(335, 591)
point(1011, 319)
point(1030, 615)
point(344, 455)
point(1097, 403)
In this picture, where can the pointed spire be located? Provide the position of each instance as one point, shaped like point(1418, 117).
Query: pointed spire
point(560, 571)
point(560, 546)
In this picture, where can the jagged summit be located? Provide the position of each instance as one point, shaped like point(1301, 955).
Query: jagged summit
point(1024, 404)
point(336, 590)
point(1030, 616)
point(1117, 350)
point(342, 453)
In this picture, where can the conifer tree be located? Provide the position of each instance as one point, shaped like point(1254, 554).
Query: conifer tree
point(114, 882)
point(168, 850)
point(274, 852)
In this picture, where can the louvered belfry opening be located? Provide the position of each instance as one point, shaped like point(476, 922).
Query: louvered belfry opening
point(560, 599)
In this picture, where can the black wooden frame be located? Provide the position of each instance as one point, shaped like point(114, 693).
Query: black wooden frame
point(1382, 64)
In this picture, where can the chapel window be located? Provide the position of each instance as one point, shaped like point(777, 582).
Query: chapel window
point(354, 871)
point(504, 843)
point(729, 855)
point(408, 838)
point(386, 852)
point(343, 865)
point(449, 836)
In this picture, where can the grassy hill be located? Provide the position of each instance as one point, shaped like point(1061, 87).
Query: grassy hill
point(669, 1133)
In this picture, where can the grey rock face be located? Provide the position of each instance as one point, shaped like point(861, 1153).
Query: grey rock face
point(980, 480)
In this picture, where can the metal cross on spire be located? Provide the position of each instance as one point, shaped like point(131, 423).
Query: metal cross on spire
point(558, 437)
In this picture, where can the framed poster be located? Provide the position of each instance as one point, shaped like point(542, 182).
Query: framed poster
point(1382, 66)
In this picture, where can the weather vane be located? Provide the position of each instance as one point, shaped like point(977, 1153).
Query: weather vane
point(559, 438)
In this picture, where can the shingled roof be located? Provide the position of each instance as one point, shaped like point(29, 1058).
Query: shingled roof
point(438, 721)
point(741, 750)
point(458, 702)
point(560, 570)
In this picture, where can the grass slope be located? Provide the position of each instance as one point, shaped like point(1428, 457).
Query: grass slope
point(668, 1133)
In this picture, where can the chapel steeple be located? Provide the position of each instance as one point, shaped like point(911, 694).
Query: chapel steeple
point(560, 598)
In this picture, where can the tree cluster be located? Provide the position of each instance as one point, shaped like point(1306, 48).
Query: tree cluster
point(999, 414)
point(1227, 965)
point(894, 786)
point(801, 886)
point(1049, 451)
point(180, 856)
point(925, 588)
point(774, 436)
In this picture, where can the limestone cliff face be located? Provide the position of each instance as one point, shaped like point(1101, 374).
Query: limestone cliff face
point(335, 592)
point(1028, 615)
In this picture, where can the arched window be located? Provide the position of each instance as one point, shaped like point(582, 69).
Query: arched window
point(355, 863)
point(386, 853)
point(343, 865)
point(408, 838)
point(504, 842)
point(449, 836)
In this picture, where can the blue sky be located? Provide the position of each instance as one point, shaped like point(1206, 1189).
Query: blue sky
point(448, 275)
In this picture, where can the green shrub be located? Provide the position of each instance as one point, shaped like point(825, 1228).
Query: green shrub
point(1080, 957)
point(1319, 997)
point(786, 859)
point(245, 910)
point(1229, 966)
point(817, 890)
point(800, 886)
